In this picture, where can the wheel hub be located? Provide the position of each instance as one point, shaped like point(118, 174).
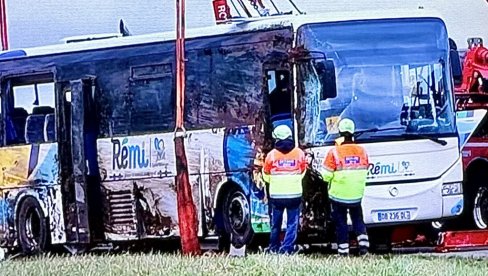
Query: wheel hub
point(32, 227)
point(238, 212)
point(481, 208)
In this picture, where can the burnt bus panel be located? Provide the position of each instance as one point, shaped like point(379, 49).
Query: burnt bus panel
point(78, 89)
point(120, 211)
point(30, 170)
point(224, 96)
point(141, 169)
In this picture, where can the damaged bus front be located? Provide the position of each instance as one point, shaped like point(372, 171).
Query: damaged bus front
point(394, 80)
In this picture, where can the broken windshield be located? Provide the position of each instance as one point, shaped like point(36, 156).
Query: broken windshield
point(390, 74)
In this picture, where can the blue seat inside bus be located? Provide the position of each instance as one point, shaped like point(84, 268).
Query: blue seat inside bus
point(34, 128)
point(43, 110)
point(19, 117)
point(49, 128)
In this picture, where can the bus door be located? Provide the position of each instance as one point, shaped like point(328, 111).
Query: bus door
point(279, 95)
point(79, 162)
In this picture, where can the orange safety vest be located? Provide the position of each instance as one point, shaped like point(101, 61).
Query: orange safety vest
point(284, 173)
point(345, 169)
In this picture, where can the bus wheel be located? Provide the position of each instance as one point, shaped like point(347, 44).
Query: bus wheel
point(237, 217)
point(32, 227)
point(480, 208)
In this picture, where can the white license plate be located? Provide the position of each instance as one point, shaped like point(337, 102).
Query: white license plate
point(394, 215)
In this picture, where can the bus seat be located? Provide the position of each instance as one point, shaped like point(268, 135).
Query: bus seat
point(34, 128)
point(19, 116)
point(42, 110)
point(49, 128)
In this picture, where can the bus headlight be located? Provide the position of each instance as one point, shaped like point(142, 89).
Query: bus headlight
point(452, 189)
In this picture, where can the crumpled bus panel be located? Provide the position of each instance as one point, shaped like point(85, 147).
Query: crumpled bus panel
point(225, 113)
point(30, 171)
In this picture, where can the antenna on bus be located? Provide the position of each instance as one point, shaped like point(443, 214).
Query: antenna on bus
point(123, 29)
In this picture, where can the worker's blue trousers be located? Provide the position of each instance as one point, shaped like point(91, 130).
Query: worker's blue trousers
point(339, 215)
point(278, 206)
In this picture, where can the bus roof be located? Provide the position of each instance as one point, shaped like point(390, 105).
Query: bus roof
point(244, 25)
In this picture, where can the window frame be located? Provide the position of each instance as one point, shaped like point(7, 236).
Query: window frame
point(7, 83)
point(140, 80)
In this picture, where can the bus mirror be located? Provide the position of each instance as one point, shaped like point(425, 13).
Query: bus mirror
point(457, 71)
point(326, 71)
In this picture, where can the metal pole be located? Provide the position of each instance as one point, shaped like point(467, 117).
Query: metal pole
point(187, 215)
point(3, 25)
point(295, 6)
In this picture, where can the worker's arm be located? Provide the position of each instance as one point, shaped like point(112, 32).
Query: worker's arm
point(328, 167)
point(303, 164)
point(268, 162)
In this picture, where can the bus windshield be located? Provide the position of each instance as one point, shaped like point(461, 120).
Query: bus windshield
point(391, 77)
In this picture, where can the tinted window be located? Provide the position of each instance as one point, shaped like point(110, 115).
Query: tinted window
point(151, 97)
point(224, 87)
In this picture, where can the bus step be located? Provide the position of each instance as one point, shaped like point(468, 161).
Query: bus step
point(103, 247)
point(462, 240)
point(210, 243)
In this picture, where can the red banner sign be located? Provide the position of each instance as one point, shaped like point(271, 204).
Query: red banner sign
point(221, 11)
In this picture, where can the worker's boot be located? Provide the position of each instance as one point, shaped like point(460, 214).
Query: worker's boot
point(363, 242)
point(343, 249)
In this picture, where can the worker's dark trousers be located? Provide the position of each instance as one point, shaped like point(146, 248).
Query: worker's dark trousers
point(278, 206)
point(339, 215)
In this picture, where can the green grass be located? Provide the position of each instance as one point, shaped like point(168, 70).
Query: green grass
point(255, 264)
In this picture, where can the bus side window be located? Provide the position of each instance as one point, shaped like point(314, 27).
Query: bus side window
point(31, 113)
point(152, 105)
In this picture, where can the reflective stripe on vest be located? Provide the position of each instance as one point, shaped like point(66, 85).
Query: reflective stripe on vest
point(284, 173)
point(345, 168)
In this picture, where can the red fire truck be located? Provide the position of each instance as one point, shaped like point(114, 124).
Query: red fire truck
point(472, 94)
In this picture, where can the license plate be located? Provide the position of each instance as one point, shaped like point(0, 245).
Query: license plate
point(394, 215)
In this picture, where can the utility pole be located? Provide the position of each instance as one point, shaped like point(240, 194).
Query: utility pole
point(3, 25)
point(187, 215)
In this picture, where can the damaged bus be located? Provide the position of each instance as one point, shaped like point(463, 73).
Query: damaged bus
point(87, 151)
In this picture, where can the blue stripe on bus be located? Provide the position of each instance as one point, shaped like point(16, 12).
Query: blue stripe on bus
point(34, 157)
point(13, 54)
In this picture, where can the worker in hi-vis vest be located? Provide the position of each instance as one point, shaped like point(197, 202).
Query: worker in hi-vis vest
point(284, 169)
point(345, 169)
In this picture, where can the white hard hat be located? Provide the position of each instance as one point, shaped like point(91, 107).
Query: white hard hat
point(282, 132)
point(346, 125)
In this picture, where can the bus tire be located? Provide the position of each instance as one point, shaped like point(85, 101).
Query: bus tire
point(32, 227)
point(475, 213)
point(480, 207)
point(236, 216)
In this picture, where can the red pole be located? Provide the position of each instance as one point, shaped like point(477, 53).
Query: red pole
point(187, 215)
point(3, 25)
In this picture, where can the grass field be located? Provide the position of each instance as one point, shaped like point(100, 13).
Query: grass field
point(255, 264)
